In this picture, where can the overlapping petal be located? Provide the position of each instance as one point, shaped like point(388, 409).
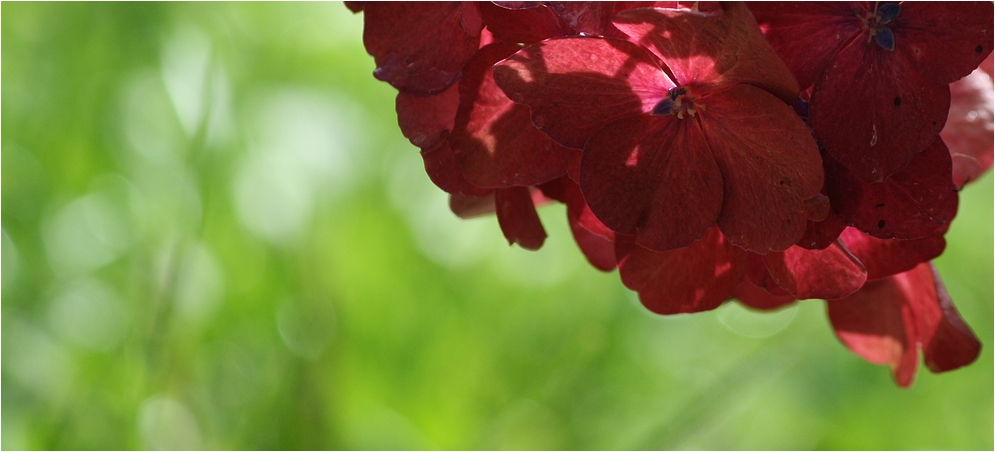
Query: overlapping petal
point(890, 319)
point(727, 48)
point(516, 214)
point(829, 273)
point(910, 204)
point(874, 113)
point(653, 177)
point(770, 165)
point(420, 47)
point(493, 140)
point(697, 278)
point(944, 41)
point(888, 257)
point(576, 86)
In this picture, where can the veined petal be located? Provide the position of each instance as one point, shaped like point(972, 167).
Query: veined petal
point(912, 203)
point(697, 278)
point(830, 273)
point(493, 140)
point(770, 165)
point(715, 50)
point(944, 41)
point(653, 177)
point(441, 168)
point(420, 47)
point(806, 35)
point(873, 112)
point(576, 86)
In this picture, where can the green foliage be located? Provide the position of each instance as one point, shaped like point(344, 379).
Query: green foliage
point(214, 236)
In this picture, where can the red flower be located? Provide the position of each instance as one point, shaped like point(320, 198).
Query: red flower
point(880, 72)
point(679, 133)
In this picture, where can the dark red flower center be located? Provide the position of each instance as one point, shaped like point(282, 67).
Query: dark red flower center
point(679, 102)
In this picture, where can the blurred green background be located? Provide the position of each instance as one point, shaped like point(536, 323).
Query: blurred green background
point(215, 236)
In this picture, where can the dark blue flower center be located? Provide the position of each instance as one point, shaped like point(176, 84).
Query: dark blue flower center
point(877, 22)
point(678, 102)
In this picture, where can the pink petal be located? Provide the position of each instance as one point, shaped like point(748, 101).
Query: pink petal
point(873, 112)
point(517, 216)
point(770, 165)
point(653, 177)
point(576, 86)
point(830, 273)
point(806, 35)
point(714, 50)
point(888, 257)
point(912, 203)
point(944, 41)
point(969, 131)
point(419, 47)
point(493, 140)
point(693, 279)
point(757, 298)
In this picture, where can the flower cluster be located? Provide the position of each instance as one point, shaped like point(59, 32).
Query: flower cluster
point(766, 153)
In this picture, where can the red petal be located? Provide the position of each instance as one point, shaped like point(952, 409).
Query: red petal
point(576, 86)
point(757, 273)
point(887, 320)
point(873, 112)
point(806, 35)
point(820, 234)
point(472, 206)
point(653, 177)
point(877, 323)
point(355, 6)
point(830, 273)
point(493, 139)
point(720, 51)
point(757, 298)
point(947, 342)
point(529, 25)
point(944, 41)
point(969, 131)
point(595, 240)
point(912, 203)
point(590, 18)
point(517, 216)
point(441, 168)
point(887, 257)
point(770, 165)
point(697, 278)
point(419, 47)
point(424, 120)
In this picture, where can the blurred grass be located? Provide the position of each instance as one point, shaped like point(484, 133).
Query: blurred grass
point(214, 236)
